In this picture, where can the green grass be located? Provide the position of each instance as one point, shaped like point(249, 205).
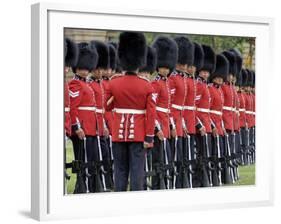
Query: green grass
point(246, 173)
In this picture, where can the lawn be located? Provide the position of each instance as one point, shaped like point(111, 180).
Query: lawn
point(246, 173)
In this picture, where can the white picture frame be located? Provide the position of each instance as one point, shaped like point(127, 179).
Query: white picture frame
point(48, 201)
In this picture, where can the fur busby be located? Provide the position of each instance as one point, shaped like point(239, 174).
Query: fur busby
point(118, 66)
point(198, 56)
point(132, 50)
point(209, 59)
point(249, 78)
point(231, 57)
point(103, 52)
point(222, 67)
point(151, 61)
point(88, 57)
point(254, 79)
point(185, 50)
point(112, 57)
point(244, 77)
point(70, 52)
point(167, 52)
point(238, 79)
point(239, 59)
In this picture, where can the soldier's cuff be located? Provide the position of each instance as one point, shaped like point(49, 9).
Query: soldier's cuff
point(149, 138)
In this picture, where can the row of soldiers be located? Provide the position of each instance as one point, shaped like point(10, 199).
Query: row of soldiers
point(171, 115)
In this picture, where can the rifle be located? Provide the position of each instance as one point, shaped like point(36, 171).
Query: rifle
point(219, 159)
point(210, 166)
point(101, 167)
point(234, 160)
point(175, 161)
point(111, 161)
point(229, 166)
point(147, 173)
point(168, 177)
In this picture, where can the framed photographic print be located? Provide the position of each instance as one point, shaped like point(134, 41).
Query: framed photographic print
point(148, 111)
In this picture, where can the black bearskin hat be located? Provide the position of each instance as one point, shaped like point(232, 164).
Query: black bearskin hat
point(151, 61)
point(231, 57)
point(239, 60)
point(118, 66)
point(198, 56)
point(70, 52)
point(167, 52)
point(185, 50)
point(132, 50)
point(209, 59)
point(103, 52)
point(244, 77)
point(222, 67)
point(249, 78)
point(88, 57)
point(112, 56)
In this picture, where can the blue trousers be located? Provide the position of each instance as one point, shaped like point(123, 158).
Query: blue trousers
point(129, 161)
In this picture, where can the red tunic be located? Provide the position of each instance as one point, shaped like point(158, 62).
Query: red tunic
point(203, 104)
point(162, 96)
point(228, 107)
point(134, 108)
point(236, 122)
point(254, 109)
point(98, 88)
point(67, 122)
point(82, 106)
point(108, 116)
point(189, 113)
point(242, 115)
point(249, 109)
point(216, 106)
point(179, 93)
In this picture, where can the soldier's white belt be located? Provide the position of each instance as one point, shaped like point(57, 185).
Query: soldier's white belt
point(228, 108)
point(87, 108)
point(204, 110)
point(216, 112)
point(100, 111)
point(250, 112)
point(178, 107)
point(242, 109)
point(129, 111)
point(164, 110)
point(189, 108)
point(66, 109)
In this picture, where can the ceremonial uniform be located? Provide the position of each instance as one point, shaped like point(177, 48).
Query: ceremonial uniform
point(134, 113)
point(203, 99)
point(83, 116)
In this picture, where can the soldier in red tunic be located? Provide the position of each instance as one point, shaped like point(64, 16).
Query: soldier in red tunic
point(191, 122)
point(96, 83)
point(249, 104)
point(146, 72)
point(216, 107)
point(70, 60)
point(242, 117)
point(236, 83)
point(83, 119)
point(134, 113)
point(167, 53)
point(229, 109)
point(179, 93)
point(203, 114)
